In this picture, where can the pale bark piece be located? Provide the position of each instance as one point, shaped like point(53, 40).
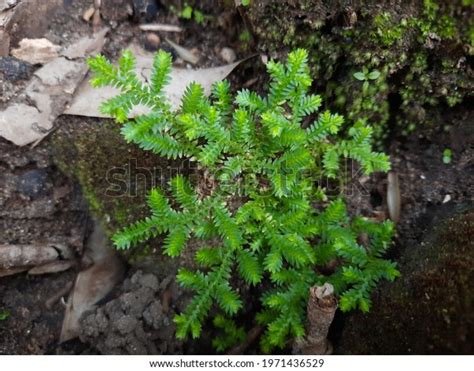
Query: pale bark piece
point(87, 99)
point(12, 256)
point(156, 27)
point(53, 267)
point(50, 90)
point(36, 51)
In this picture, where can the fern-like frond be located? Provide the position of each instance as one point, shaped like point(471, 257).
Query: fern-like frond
point(250, 100)
point(327, 124)
point(160, 75)
point(137, 232)
point(249, 267)
point(175, 241)
point(192, 99)
point(228, 227)
point(183, 192)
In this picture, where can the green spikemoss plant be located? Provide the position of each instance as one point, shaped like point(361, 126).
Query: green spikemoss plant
point(275, 227)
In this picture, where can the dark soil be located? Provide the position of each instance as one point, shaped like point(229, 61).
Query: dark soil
point(39, 203)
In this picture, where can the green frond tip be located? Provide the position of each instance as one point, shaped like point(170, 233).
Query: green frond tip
point(193, 98)
point(135, 233)
point(175, 241)
point(104, 71)
point(127, 62)
point(160, 75)
point(183, 192)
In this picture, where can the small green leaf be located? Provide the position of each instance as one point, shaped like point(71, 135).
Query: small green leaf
point(187, 12)
point(4, 314)
point(245, 2)
point(360, 76)
point(365, 86)
point(199, 17)
point(447, 156)
point(374, 75)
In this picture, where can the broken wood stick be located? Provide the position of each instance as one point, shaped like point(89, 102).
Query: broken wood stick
point(322, 305)
point(160, 27)
point(12, 256)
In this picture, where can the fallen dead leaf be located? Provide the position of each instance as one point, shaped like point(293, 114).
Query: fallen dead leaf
point(53, 267)
point(92, 284)
point(184, 53)
point(87, 99)
point(49, 91)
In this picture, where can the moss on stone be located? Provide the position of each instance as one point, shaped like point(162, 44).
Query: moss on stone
point(396, 38)
point(430, 309)
point(115, 176)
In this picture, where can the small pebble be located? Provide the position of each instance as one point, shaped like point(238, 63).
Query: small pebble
point(33, 184)
point(228, 55)
point(152, 41)
point(446, 199)
point(88, 14)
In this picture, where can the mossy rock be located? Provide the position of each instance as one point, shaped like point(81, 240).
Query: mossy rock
point(115, 176)
point(430, 308)
point(421, 49)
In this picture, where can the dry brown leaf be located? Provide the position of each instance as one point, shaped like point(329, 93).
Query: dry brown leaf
point(50, 90)
point(87, 99)
point(53, 267)
point(92, 284)
point(184, 53)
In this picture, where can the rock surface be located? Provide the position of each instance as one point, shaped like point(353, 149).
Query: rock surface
point(430, 308)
